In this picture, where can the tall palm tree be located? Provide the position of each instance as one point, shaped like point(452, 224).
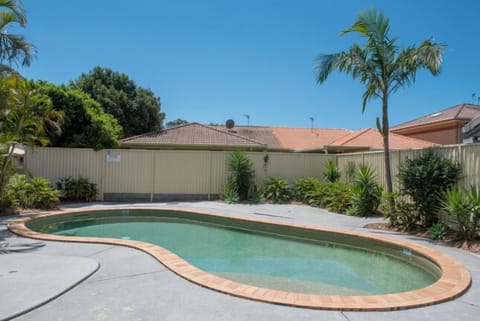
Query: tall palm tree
point(381, 66)
point(14, 49)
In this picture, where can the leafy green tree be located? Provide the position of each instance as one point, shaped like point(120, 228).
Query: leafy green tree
point(26, 117)
point(85, 123)
point(136, 109)
point(14, 49)
point(381, 66)
point(176, 122)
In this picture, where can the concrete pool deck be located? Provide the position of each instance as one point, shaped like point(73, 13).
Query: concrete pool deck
point(131, 285)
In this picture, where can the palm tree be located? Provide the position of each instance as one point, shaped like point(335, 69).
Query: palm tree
point(14, 49)
point(381, 66)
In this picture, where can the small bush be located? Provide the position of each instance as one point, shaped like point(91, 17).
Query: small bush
point(303, 187)
point(339, 197)
point(77, 189)
point(437, 231)
point(256, 196)
point(20, 192)
point(43, 194)
point(35, 194)
point(366, 192)
point(424, 178)
point(241, 173)
point(335, 197)
point(331, 173)
point(231, 197)
point(403, 216)
point(319, 196)
point(465, 206)
point(277, 190)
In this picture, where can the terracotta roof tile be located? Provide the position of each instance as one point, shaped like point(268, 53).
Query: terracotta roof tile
point(307, 138)
point(192, 134)
point(262, 134)
point(273, 138)
point(372, 138)
point(458, 112)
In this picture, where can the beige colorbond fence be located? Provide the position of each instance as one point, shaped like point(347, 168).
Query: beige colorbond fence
point(467, 155)
point(148, 175)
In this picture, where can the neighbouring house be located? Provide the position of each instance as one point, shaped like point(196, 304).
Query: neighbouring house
point(195, 136)
point(192, 136)
point(471, 131)
point(443, 127)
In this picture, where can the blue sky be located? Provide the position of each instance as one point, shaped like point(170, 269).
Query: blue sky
point(213, 60)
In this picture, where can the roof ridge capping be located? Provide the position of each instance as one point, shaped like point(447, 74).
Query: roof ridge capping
point(155, 132)
point(231, 134)
point(350, 136)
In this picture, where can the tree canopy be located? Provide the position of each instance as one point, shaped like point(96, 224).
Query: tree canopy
point(381, 66)
point(26, 117)
point(85, 124)
point(176, 122)
point(137, 109)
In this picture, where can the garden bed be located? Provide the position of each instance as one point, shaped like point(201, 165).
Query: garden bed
point(450, 240)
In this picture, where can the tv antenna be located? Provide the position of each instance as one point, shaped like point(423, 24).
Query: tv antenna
point(312, 120)
point(248, 122)
point(473, 98)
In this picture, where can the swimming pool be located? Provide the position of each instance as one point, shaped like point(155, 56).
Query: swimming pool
point(277, 263)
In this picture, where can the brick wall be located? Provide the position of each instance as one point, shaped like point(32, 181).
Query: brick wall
point(444, 136)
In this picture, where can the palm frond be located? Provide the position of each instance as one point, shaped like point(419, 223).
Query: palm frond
point(325, 64)
point(17, 9)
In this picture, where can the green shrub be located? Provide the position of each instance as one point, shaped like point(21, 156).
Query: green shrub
point(79, 189)
point(437, 231)
point(35, 194)
point(241, 173)
point(319, 196)
point(339, 197)
point(303, 187)
point(331, 173)
point(43, 194)
point(231, 197)
point(20, 191)
point(465, 206)
point(335, 197)
point(277, 190)
point(424, 178)
point(366, 192)
point(256, 196)
point(403, 215)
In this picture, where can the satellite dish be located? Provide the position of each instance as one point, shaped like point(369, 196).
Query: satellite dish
point(229, 123)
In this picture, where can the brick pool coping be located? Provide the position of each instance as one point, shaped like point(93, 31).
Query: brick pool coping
point(454, 281)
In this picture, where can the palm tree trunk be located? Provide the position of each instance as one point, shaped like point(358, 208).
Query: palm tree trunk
point(386, 149)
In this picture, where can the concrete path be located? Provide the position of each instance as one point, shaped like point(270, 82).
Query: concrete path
point(130, 285)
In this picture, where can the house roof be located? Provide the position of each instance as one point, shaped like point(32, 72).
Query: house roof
point(307, 138)
point(371, 138)
point(195, 135)
point(461, 112)
point(262, 134)
point(191, 135)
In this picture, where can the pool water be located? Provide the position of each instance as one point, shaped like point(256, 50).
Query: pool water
point(266, 259)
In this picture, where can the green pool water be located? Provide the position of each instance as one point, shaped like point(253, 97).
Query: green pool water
point(259, 255)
